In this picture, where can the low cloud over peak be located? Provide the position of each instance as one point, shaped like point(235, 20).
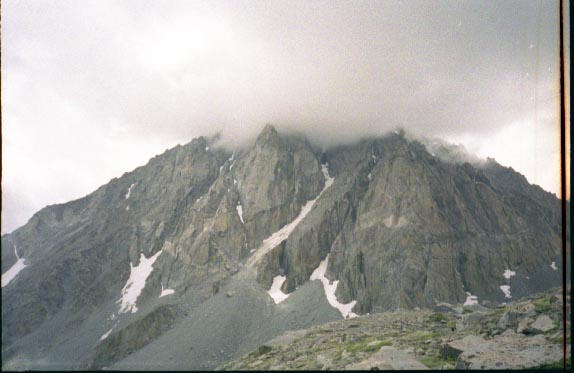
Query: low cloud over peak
point(104, 85)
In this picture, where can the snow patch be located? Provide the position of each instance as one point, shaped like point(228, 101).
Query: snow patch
point(165, 292)
point(328, 179)
point(234, 181)
point(130, 191)
point(107, 333)
point(240, 212)
point(553, 266)
point(281, 235)
point(319, 274)
point(470, 299)
point(369, 176)
point(506, 290)
point(221, 169)
point(11, 273)
point(136, 283)
point(207, 148)
point(275, 291)
point(508, 274)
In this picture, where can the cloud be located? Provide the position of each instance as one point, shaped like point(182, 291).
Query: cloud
point(95, 88)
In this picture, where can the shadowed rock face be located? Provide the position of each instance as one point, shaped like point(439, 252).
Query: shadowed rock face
point(402, 229)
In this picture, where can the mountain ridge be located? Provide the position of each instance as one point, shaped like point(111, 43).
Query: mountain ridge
point(432, 231)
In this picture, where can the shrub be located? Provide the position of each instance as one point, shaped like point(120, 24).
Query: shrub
point(542, 305)
point(437, 317)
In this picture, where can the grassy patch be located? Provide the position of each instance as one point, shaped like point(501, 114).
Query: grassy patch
point(438, 317)
point(542, 305)
point(260, 351)
point(437, 361)
point(421, 336)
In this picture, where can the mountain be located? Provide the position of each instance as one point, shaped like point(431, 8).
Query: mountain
point(204, 254)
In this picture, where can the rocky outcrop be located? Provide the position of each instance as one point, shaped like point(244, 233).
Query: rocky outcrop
point(415, 339)
point(431, 230)
point(389, 358)
point(123, 342)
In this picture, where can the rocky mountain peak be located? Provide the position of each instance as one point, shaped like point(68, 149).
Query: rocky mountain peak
point(268, 136)
point(233, 248)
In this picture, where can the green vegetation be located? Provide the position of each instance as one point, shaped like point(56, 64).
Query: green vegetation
point(451, 325)
point(260, 351)
point(437, 361)
point(438, 317)
point(542, 305)
point(421, 336)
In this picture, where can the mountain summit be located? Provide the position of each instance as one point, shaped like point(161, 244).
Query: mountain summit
point(203, 254)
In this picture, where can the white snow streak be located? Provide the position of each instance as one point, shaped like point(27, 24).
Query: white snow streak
point(369, 176)
point(328, 179)
point(207, 148)
point(136, 283)
point(11, 273)
point(508, 274)
point(319, 274)
point(281, 235)
point(130, 190)
point(506, 290)
point(470, 299)
point(107, 333)
point(165, 292)
point(240, 211)
point(275, 291)
point(553, 266)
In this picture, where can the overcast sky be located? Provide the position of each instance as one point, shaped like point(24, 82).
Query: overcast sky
point(92, 89)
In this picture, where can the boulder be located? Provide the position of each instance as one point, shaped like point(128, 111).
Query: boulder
point(506, 351)
point(523, 324)
point(543, 323)
point(444, 307)
point(388, 358)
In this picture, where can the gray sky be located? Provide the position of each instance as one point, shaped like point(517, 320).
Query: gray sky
point(92, 89)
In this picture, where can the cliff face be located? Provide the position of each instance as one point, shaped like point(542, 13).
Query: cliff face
point(397, 227)
point(405, 229)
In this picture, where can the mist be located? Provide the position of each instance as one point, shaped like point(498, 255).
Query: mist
point(95, 88)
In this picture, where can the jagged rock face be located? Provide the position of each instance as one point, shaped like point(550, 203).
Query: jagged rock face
point(402, 228)
point(406, 229)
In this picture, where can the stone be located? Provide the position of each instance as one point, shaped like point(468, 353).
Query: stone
point(388, 358)
point(523, 324)
point(506, 351)
point(543, 323)
point(556, 300)
point(444, 307)
point(323, 361)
